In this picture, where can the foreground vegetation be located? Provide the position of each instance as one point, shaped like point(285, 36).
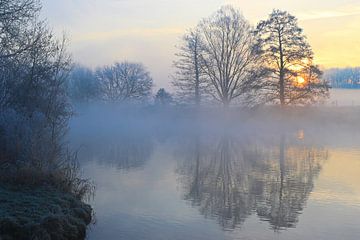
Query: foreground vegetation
point(41, 212)
point(41, 191)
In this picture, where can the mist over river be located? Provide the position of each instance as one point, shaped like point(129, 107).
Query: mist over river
point(177, 174)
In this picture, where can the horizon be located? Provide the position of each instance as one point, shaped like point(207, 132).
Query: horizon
point(101, 33)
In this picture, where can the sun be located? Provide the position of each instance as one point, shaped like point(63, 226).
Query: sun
point(300, 80)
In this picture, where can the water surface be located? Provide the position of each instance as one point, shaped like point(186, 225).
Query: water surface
point(183, 181)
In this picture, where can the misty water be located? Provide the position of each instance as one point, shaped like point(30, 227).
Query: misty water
point(177, 174)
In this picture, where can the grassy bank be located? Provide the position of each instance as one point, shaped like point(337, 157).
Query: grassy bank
point(41, 212)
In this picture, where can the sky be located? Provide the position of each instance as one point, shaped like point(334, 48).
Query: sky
point(101, 32)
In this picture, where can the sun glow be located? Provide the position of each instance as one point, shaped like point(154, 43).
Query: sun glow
point(300, 80)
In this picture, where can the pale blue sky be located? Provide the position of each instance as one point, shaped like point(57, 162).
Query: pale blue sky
point(104, 31)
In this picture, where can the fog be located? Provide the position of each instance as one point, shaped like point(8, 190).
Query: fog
point(247, 141)
point(99, 124)
point(213, 166)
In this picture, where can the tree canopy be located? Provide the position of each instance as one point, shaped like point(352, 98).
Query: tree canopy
point(293, 79)
point(124, 82)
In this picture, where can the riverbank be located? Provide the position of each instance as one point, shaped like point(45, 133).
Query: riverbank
point(42, 212)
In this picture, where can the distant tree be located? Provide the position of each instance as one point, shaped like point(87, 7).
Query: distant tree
point(230, 59)
point(343, 77)
point(189, 79)
point(294, 78)
point(124, 82)
point(83, 86)
point(162, 97)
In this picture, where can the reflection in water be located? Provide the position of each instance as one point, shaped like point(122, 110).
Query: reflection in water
point(216, 183)
point(231, 179)
point(288, 183)
point(122, 151)
point(128, 153)
point(252, 180)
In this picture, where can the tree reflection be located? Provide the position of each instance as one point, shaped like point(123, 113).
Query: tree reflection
point(128, 153)
point(229, 180)
point(217, 180)
point(120, 151)
point(289, 182)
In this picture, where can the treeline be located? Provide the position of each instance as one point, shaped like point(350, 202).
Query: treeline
point(121, 82)
point(343, 77)
point(226, 59)
point(125, 83)
point(222, 60)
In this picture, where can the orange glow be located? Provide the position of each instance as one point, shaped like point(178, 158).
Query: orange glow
point(300, 135)
point(300, 80)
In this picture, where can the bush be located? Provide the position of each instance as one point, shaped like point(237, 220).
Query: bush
point(29, 155)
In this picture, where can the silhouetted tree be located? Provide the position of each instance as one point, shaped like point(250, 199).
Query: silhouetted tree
point(36, 82)
point(34, 107)
point(16, 25)
point(294, 78)
point(343, 77)
point(34, 66)
point(229, 57)
point(124, 82)
point(83, 86)
point(189, 79)
point(162, 97)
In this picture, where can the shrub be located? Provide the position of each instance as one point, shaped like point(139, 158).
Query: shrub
point(29, 155)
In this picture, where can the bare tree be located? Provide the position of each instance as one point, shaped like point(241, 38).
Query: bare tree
point(125, 82)
point(36, 89)
point(163, 98)
point(83, 85)
point(34, 66)
point(294, 79)
point(16, 26)
point(16, 21)
point(34, 109)
point(230, 60)
point(189, 79)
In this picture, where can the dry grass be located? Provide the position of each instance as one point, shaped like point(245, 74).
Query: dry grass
point(65, 176)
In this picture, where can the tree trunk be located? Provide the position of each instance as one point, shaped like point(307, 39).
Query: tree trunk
point(282, 88)
point(282, 71)
point(197, 78)
point(226, 102)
